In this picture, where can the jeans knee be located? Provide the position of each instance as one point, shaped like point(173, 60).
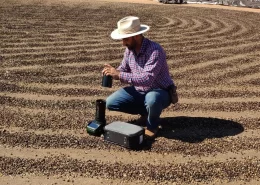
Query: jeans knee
point(109, 102)
point(151, 102)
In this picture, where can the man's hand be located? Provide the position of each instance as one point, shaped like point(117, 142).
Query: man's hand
point(109, 70)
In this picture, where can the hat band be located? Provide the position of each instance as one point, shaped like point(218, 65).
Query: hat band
point(129, 31)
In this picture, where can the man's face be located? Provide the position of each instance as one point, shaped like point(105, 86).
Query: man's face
point(130, 43)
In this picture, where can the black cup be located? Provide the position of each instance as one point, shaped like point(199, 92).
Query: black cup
point(107, 81)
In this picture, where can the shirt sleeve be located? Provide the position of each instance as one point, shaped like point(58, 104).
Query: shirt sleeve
point(146, 75)
point(124, 66)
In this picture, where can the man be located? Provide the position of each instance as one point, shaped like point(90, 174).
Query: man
point(145, 69)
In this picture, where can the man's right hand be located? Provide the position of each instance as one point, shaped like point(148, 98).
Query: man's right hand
point(109, 70)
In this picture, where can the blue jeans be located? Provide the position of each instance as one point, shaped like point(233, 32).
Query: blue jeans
point(149, 104)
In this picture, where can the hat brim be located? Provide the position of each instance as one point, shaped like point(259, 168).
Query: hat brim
point(115, 34)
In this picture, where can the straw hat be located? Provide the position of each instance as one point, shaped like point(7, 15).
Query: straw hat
point(128, 27)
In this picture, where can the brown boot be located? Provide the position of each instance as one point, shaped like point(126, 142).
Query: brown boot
point(151, 133)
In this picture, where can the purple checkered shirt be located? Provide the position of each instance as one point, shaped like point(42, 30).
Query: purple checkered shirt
point(146, 71)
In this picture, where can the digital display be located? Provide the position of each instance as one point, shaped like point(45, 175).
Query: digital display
point(93, 125)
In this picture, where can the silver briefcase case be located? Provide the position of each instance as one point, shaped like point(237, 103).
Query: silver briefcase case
point(124, 134)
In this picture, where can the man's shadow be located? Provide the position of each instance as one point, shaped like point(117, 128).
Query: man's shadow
point(195, 129)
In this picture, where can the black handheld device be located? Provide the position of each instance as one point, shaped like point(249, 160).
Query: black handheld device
point(96, 127)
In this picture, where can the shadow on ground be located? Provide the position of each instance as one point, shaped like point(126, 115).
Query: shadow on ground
point(195, 129)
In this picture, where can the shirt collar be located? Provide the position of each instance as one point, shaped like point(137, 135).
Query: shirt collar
point(144, 45)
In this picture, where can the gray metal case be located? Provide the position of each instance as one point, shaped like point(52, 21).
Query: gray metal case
point(124, 134)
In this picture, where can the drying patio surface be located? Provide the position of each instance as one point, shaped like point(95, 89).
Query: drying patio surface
point(51, 57)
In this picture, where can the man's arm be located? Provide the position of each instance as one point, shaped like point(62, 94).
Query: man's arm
point(148, 74)
point(124, 67)
point(109, 70)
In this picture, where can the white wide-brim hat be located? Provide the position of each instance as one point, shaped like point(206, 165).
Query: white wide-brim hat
point(128, 27)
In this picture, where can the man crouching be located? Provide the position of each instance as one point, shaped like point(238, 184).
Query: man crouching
point(145, 69)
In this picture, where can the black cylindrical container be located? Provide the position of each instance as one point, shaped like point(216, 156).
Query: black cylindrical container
point(107, 81)
point(100, 111)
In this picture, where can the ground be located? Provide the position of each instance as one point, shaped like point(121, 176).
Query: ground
point(51, 57)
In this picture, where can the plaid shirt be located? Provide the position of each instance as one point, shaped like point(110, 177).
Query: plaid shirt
point(146, 71)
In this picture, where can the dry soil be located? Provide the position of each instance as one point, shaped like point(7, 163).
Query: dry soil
point(51, 57)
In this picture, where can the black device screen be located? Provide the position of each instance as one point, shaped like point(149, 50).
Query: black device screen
point(93, 125)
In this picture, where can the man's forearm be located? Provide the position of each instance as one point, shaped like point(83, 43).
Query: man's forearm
point(144, 79)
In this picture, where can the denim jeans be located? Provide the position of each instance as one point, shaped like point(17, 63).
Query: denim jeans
point(130, 101)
